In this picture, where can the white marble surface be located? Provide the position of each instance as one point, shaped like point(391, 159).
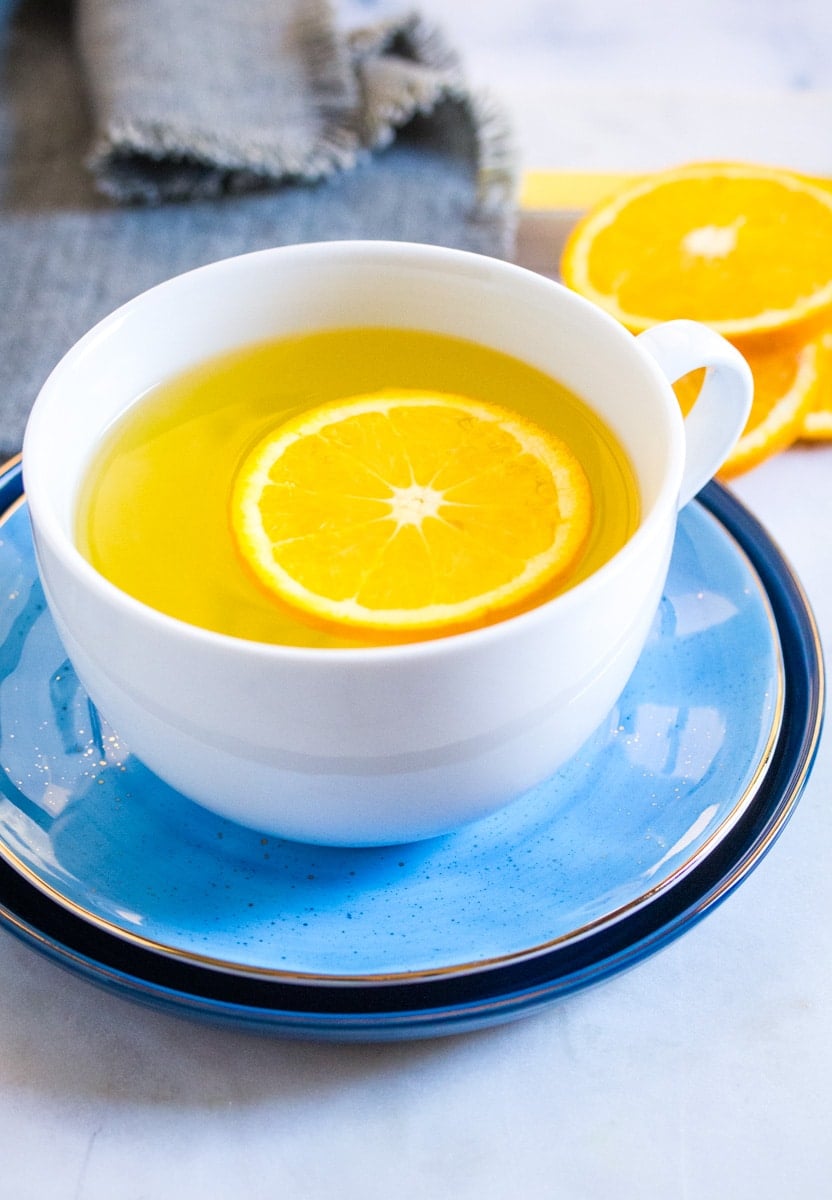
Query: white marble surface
point(630, 84)
point(706, 1073)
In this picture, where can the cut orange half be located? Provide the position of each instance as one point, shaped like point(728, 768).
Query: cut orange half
point(410, 513)
point(744, 249)
point(787, 382)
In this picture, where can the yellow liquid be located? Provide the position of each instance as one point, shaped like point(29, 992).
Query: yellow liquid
point(153, 509)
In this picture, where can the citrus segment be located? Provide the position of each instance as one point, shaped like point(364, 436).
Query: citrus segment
point(744, 249)
point(817, 422)
point(410, 512)
point(786, 383)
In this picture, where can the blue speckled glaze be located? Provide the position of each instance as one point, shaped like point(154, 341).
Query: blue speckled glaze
point(457, 1002)
point(659, 785)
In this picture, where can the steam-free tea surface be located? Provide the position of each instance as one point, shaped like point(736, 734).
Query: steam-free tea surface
point(154, 512)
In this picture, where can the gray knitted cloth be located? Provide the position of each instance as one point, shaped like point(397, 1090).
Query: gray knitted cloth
point(139, 138)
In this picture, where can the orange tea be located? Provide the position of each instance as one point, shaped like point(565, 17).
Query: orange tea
point(154, 512)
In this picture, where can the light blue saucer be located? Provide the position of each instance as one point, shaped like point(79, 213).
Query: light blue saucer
point(656, 789)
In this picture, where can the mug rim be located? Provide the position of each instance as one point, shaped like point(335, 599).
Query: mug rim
point(48, 525)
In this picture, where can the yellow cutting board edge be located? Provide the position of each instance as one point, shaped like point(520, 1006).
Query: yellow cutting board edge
point(572, 191)
point(576, 191)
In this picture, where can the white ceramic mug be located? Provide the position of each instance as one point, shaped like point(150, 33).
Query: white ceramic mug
point(383, 744)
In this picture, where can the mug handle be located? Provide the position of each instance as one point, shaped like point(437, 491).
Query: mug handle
point(721, 410)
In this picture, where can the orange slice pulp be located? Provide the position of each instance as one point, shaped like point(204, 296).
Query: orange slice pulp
point(410, 513)
point(817, 421)
point(787, 382)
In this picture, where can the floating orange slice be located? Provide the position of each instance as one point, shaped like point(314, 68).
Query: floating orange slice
point(410, 513)
point(744, 249)
point(787, 383)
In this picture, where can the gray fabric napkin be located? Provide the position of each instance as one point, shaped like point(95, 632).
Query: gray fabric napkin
point(139, 138)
